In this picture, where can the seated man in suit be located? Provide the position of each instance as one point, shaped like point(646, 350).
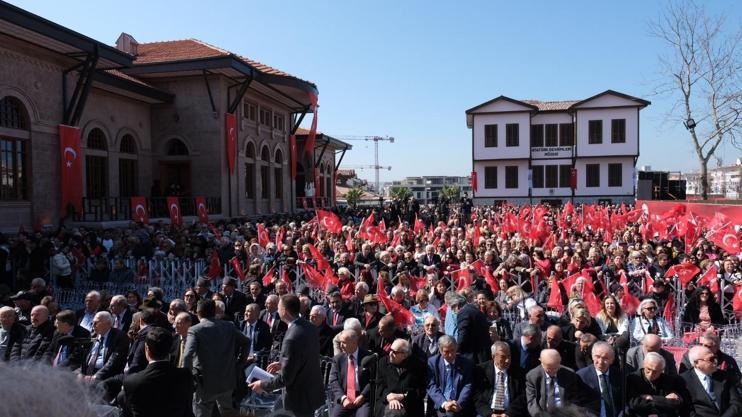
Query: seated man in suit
point(107, 356)
point(161, 389)
point(554, 340)
point(257, 331)
point(525, 352)
point(710, 392)
point(380, 339)
point(270, 316)
point(724, 362)
point(536, 316)
point(121, 313)
point(401, 382)
point(552, 385)
point(234, 300)
point(603, 382)
point(450, 379)
point(318, 317)
point(336, 313)
point(67, 343)
point(427, 342)
point(86, 315)
point(349, 385)
point(500, 386)
point(583, 351)
point(650, 343)
point(38, 338)
point(650, 391)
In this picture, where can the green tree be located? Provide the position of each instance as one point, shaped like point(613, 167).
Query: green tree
point(450, 192)
point(399, 193)
point(353, 196)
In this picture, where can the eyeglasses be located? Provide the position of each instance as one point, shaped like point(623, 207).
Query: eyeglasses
point(397, 352)
point(430, 325)
point(650, 308)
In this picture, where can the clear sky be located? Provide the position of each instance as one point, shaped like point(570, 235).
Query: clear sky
point(409, 69)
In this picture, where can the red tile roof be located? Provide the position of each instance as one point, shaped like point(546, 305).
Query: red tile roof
point(188, 49)
point(302, 132)
point(551, 105)
point(119, 74)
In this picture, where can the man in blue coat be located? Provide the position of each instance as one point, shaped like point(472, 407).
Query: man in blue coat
point(450, 380)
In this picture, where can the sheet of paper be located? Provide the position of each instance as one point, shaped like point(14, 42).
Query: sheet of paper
point(258, 373)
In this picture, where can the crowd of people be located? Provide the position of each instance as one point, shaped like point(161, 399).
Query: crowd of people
point(401, 310)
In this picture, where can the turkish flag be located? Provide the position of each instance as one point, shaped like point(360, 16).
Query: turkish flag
point(230, 130)
point(292, 148)
point(494, 286)
point(71, 168)
point(419, 225)
point(669, 312)
point(726, 239)
point(215, 266)
point(238, 268)
point(462, 278)
point(203, 213)
point(313, 277)
point(309, 145)
point(737, 302)
point(684, 271)
point(285, 278)
point(573, 178)
point(268, 277)
point(263, 236)
point(555, 297)
point(329, 221)
point(322, 263)
point(279, 239)
point(173, 206)
point(402, 316)
point(474, 181)
point(139, 212)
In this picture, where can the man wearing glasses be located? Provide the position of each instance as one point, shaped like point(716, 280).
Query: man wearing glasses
point(427, 342)
point(401, 382)
point(710, 392)
point(724, 362)
point(649, 323)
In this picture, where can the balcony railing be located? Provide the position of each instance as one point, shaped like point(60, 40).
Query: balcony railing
point(119, 208)
point(310, 203)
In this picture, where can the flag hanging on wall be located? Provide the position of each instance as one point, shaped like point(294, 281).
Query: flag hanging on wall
point(71, 168)
point(201, 210)
point(139, 210)
point(230, 130)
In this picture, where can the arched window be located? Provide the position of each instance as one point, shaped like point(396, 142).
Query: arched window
point(176, 147)
point(128, 186)
point(250, 170)
point(278, 174)
point(264, 169)
point(96, 164)
point(14, 142)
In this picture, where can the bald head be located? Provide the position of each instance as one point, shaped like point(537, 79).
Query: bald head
point(651, 343)
point(39, 315)
point(550, 361)
point(553, 336)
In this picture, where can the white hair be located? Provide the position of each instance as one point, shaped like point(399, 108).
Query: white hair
point(361, 284)
point(352, 323)
point(654, 357)
point(219, 307)
point(104, 315)
point(694, 354)
point(95, 294)
point(318, 310)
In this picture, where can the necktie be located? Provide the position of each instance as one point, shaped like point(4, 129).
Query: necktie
point(654, 328)
point(448, 389)
point(432, 347)
point(116, 321)
point(59, 358)
point(270, 320)
point(605, 393)
point(350, 391)
point(93, 356)
point(334, 318)
point(499, 402)
point(181, 357)
point(550, 398)
point(707, 387)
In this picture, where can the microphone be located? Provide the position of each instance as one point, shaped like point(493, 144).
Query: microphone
point(368, 360)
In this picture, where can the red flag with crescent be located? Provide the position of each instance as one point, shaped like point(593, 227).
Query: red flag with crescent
point(279, 239)
point(173, 207)
point(685, 271)
point(263, 236)
point(139, 212)
point(71, 168)
point(555, 297)
point(285, 278)
point(238, 268)
point(201, 211)
point(215, 266)
point(329, 221)
point(230, 130)
point(268, 277)
point(726, 239)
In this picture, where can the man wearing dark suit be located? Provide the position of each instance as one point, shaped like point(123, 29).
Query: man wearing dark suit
point(66, 349)
point(650, 391)
point(234, 301)
point(298, 370)
point(349, 386)
point(650, 343)
point(177, 352)
point(380, 339)
point(554, 340)
point(107, 356)
point(473, 330)
point(86, 315)
point(724, 362)
point(38, 337)
point(450, 379)
point(370, 315)
point(256, 330)
point(525, 352)
point(212, 350)
point(270, 316)
point(552, 385)
point(121, 313)
point(136, 360)
point(317, 317)
point(202, 288)
point(401, 382)
point(256, 294)
point(583, 350)
point(426, 343)
point(336, 311)
point(431, 261)
point(710, 393)
point(603, 382)
point(160, 389)
point(536, 316)
point(15, 332)
point(500, 387)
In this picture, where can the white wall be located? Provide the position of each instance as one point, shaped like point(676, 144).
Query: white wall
point(501, 151)
point(608, 100)
point(550, 118)
point(501, 191)
point(630, 147)
point(501, 106)
point(627, 171)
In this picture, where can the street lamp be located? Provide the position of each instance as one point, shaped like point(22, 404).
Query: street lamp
point(690, 124)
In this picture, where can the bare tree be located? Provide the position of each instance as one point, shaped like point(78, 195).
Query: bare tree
point(701, 70)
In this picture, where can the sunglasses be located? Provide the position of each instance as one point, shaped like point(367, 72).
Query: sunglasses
point(650, 308)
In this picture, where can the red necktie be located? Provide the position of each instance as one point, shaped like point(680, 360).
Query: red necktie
point(335, 319)
point(351, 384)
point(270, 320)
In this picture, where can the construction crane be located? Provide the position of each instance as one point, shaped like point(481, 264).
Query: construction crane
point(376, 140)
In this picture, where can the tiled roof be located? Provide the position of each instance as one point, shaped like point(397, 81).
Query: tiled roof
point(188, 49)
point(303, 132)
point(551, 105)
point(119, 74)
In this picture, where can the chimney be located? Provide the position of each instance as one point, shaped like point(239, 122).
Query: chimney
point(127, 43)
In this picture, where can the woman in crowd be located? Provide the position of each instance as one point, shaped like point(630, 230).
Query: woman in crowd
point(702, 310)
point(649, 320)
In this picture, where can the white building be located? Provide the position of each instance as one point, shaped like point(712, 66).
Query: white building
point(724, 182)
point(427, 189)
point(527, 151)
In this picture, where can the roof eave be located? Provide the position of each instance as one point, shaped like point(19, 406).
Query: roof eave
point(136, 88)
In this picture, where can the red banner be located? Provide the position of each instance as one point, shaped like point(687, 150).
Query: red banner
point(474, 181)
point(201, 210)
point(292, 146)
point(71, 168)
point(734, 212)
point(230, 129)
point(173, 207)
point(309, 145)
point(573, 178)
point(139, 210)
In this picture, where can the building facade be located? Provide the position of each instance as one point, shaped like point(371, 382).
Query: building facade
point(724, 182)
point(526, 151)
point(426, 189)
point(152, 122)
